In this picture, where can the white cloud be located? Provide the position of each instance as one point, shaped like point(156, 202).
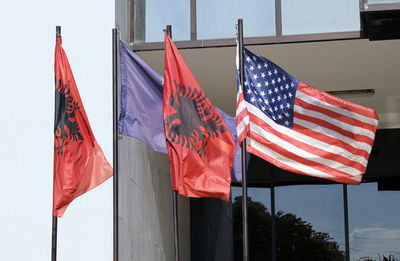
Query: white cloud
point(374, 241)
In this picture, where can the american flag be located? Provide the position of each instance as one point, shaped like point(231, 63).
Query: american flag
point(299, 128)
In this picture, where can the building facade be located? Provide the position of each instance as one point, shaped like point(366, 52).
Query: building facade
point(326, 44)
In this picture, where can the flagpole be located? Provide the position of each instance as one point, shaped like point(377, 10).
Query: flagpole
point(273, 222)
point(244, 175)
point(176, 232)
point(54, 220)
point(54, 240)
point(174, 195)
point(115, 142)
point(346, 222)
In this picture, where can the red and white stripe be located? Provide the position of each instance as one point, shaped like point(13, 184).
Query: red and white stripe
point(331, 138)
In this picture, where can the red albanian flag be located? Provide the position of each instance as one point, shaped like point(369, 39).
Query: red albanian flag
point(79, 162)
point(200, 145)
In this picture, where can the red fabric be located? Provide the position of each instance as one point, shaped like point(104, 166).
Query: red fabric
point(200, 146)
point(79, 163)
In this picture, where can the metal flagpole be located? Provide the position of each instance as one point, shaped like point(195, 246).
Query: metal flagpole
point(174, 195)
point(244, 175)
point(346, 222)
point(54, 240)
point(273, 223)
point(54, 221)
point(176, 232)
point(115, 142)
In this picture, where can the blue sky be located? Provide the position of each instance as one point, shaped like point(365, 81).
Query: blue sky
point(26, 136)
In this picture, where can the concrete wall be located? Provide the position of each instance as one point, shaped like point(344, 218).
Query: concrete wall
point(145, 214)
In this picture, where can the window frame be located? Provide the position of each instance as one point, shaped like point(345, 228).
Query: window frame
point(278, 38)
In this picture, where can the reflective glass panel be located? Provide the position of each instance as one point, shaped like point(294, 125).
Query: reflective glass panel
point(374, 223)
point(160, 13)
point(310, 222)
point(217, 19)
point(259, 223)
point(319, 16)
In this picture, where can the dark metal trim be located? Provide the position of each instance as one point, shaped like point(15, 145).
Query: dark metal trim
point(193, 20)
point(115, 143)
point(278, 17)
point(230, 42)
point(369, 92)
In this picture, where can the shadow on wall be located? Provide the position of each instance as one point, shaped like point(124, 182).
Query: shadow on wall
point(145, 218)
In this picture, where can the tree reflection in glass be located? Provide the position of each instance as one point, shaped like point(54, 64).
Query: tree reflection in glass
point(296, 238)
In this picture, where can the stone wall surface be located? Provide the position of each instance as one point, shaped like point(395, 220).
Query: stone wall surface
point(145, 206)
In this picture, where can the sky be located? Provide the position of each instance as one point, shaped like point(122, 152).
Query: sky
point(26, 134)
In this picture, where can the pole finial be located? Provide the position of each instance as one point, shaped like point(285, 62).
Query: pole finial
point(169, 31)
point(58, 30)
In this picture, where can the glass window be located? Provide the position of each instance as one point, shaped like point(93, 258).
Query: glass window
point(160, 13)
point(319, 16)
point(262, 195)
point(217, 19)
point(374, 223)
point(259, 223)
point(310, 222)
